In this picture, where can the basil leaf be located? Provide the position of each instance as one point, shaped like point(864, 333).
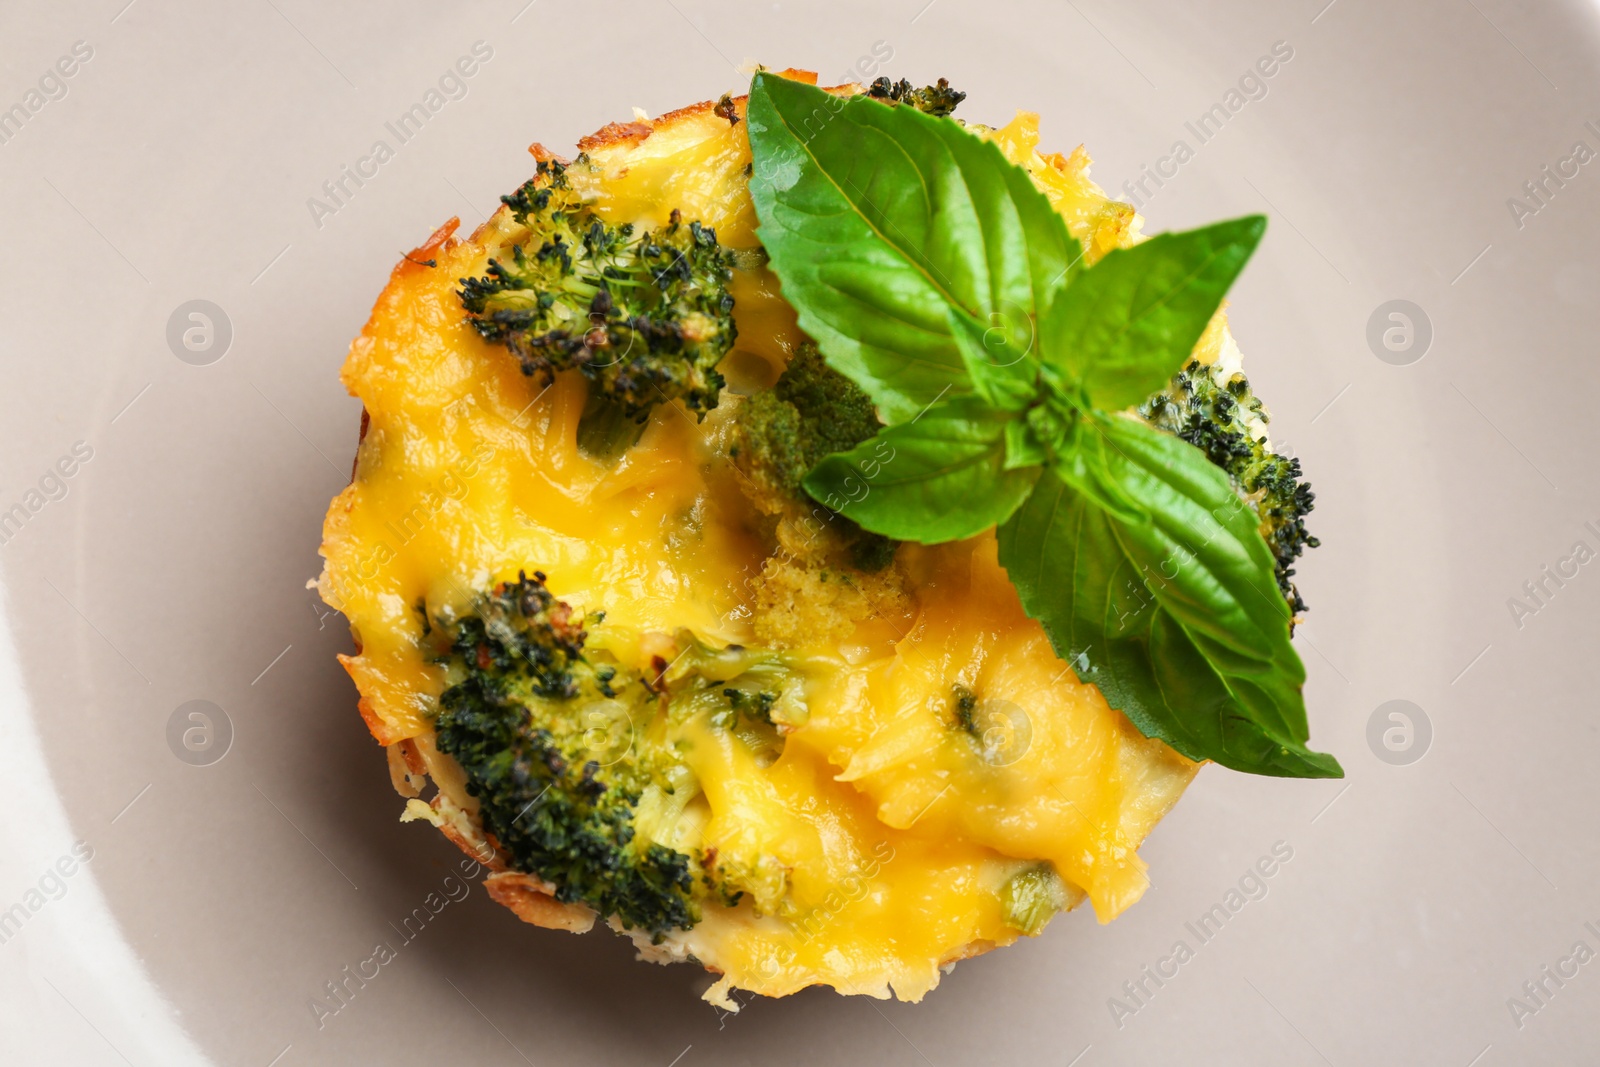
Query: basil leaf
point(1003, 375)
point(1125, 326)
point(1085, 461)
point(878, 220)
point(939, 477)
point(1176, 619)
point(1024, 446)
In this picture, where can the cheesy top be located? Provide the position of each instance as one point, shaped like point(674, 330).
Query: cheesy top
point(889, 845)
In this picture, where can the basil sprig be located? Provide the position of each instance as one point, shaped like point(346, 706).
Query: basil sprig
point(935, 275)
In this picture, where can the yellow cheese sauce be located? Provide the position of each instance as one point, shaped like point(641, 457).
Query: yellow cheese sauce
point(884, 837)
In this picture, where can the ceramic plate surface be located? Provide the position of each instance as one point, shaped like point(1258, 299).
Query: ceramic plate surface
point(200, 833)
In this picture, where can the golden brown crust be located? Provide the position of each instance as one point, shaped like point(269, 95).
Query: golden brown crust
point(413, 758)
point(616, 133)
point(380, 730)
point(634, 133)
point(421, 257)
point(541, 154)
point(678, 114)
point(405, 769)
point(473, 849)
point(530, 899)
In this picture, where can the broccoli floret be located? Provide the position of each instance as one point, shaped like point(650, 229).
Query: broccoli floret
point(1032, 897)
point(522, 632)
point(963, 708)
point(578, 762)
point(811, 412)
point(756, 706)
point(520, 717)
point(645, 316)
point(937, 99)
point(1214, 413)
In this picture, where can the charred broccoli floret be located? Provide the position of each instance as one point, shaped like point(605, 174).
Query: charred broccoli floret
point(1213, 412)
point(937, 99)
point(810, 412)
point(544, 735)
point(645, 316)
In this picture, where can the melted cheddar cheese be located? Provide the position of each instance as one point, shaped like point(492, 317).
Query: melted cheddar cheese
point(887, 839)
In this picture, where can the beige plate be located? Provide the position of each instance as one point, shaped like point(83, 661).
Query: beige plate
point(222, 894)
